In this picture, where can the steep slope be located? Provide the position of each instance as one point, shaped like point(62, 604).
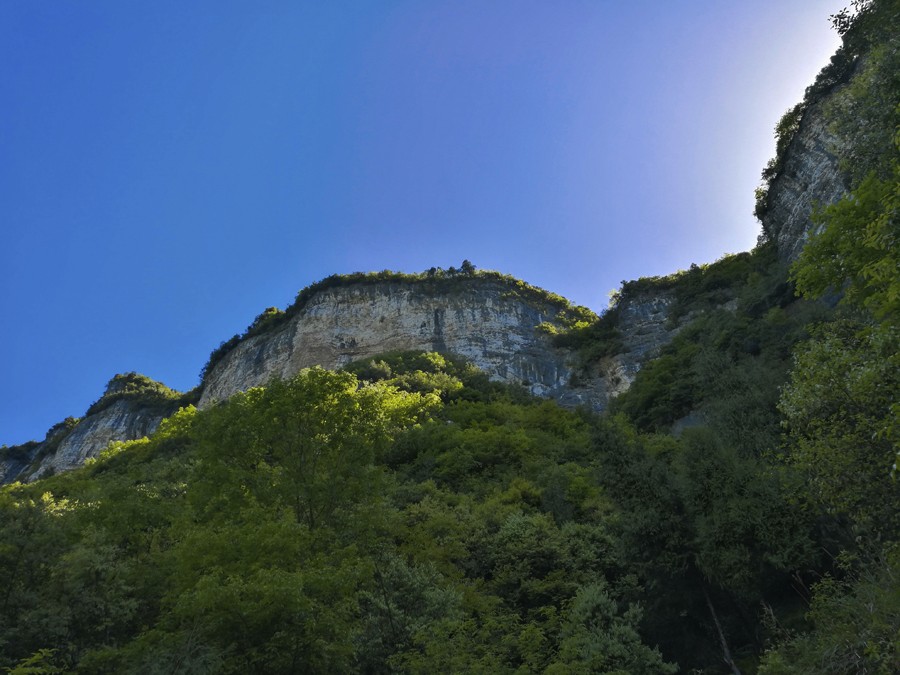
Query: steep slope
point(811, 175)
point(841, 131)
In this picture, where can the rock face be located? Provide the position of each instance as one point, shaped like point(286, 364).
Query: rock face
point(481, 320)
point(121, 421)
point(644, 325)
point(645, 328)
point(811, 176)
point(68, 444)
point(16, 460)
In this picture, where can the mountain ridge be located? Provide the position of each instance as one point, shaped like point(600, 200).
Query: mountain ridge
point(805, 174)
point(508, 328)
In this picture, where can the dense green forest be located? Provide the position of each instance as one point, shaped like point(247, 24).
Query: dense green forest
point(736, 511)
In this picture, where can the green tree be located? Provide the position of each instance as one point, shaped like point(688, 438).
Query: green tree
point(841, 406)
point(855, 624)
point(857, 250)
point(597, 637)
point(405, 601)
point(308, 444)
point(33, 535)
point(840, 409)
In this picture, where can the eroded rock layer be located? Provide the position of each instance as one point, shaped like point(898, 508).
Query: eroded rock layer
point(480, 320)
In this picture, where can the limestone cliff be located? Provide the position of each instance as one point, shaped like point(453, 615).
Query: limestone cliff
point(841, 130)
point(121, 421)
point(810, 176)
point(64, 449)
point(483, 320)
point(131, 407)
point(645, 327)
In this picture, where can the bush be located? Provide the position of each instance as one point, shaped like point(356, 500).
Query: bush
point(143, 390)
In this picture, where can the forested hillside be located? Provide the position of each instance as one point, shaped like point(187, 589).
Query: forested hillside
point(736, 511)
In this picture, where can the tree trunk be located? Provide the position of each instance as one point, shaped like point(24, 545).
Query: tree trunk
point(726, 653)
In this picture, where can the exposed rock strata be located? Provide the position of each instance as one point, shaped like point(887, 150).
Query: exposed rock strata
point(645, 328)
point(68, 444)
point(811, 176)
point(16, 460)
point(122, 421)
point(480, 320)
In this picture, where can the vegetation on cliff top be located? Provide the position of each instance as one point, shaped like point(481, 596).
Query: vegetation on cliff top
point(705, 286)
point(143, 391)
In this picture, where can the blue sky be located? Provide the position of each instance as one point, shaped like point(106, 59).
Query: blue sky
point(169, 169)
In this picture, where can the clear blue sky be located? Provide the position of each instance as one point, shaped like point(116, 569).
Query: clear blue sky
point(168, 169)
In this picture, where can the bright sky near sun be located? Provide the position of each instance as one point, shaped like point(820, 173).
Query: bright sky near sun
point(168, 169)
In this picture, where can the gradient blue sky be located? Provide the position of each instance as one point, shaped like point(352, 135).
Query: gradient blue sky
point(168, 169)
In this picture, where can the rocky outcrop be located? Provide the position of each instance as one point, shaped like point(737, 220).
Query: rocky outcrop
point(810, 177)
point(484, 321)
point(119, 415)
point(646, 323)
point(481, 321)
point(16, 459)
point(124, 420)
